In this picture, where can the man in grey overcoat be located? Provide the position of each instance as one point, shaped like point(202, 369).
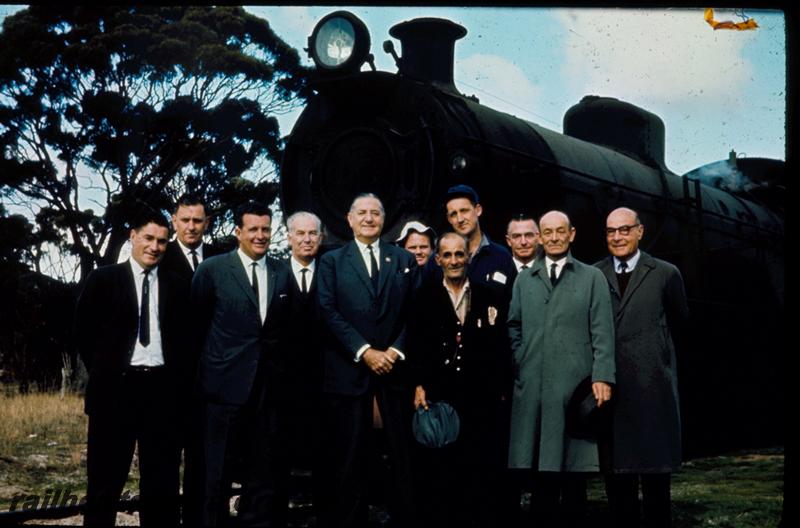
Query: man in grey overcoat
point(650, 307)
point(562, 330)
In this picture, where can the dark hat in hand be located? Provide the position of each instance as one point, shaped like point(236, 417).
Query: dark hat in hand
point(436, 427)
point(584, 419)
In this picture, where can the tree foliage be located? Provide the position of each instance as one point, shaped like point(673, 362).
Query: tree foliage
point(106, 110)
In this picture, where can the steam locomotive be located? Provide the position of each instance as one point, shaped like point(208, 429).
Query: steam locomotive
point(408, 136)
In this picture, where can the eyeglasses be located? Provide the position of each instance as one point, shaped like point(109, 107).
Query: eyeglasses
point(623, 230)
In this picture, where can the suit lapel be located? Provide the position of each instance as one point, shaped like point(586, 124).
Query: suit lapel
point(540, 268)
point(643, 267)
point(607, 267)
point(272, 277)
point(358, 265)
point(240, 277)
point(388, 267)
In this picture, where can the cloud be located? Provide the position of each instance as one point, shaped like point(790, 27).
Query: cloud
point(655, 56)
point(498, 83)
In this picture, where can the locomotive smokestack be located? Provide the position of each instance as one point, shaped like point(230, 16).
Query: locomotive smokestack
point(428, 46)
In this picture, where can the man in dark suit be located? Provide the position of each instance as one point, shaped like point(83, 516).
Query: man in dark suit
point(522, 236)
point(188, 250)
point(183, 255)
point(130, 331)
point(242, 299)
point(461, 351)
point(303, 380)
point(364, 289)
point(650, 308)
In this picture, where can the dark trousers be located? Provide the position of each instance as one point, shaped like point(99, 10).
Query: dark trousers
point(349, 441)
point(253, 430)
point(143, 412)
point(558, 500)
point(623, 500)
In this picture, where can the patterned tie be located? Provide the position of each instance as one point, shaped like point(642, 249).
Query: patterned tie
point(303, 286)
point(374, 268)
point(194, 259)
point(144, 312)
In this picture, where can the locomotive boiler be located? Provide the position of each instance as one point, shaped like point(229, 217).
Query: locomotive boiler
point(408, 136)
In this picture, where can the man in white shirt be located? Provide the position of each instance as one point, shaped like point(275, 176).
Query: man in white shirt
point(241, 304)
point(522, 236)
point(131, 327)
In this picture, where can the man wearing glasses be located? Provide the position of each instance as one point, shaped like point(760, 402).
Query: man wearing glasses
point(649, 306)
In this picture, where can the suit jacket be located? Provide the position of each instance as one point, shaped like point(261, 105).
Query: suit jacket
point(355, 315)
point(466, 364)
point(559, 335)
point(647, 428)
point(304, 330)
point(107, 323)
point(175, 261)
point(238, 350)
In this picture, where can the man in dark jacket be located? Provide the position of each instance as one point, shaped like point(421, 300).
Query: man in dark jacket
point(650, 307)
point(130, 329)
point(489, 263)
point(461, 346)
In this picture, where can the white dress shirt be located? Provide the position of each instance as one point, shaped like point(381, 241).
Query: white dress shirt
point(376, 249)
point(630, 263)
point(559, 265)
point(459, 300)
point(297, 271)
point(187, 252)
point(151, 355)
point(261, 275)
point(518, 264)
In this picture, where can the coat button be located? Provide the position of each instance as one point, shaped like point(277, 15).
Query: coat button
point(446, 361)
point(458, 369)
point(458, 358)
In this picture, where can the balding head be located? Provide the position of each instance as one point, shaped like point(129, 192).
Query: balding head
point(624, 230)
point(556, 233)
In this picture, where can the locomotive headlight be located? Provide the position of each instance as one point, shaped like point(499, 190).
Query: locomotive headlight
point(340, 42)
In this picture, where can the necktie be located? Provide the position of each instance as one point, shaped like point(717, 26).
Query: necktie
point(374, 267)
point(553, 277)
point(255, 281)
point(524, 267)
point(144, 312)
point(194, 259)
point(623, 267)
point(303, 285)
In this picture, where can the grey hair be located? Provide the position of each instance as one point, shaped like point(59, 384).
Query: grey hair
point(303, 214)
point(367, 195)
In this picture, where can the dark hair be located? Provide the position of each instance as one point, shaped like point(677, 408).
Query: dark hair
point(461, 191)
point(253, 208)
point(188, 200)
point(523, 217)
point(149, 216)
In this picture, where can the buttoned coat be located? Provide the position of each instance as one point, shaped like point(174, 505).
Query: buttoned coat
point(647, 427)
point(355, 315)
point(236, 344)
point(559, 335)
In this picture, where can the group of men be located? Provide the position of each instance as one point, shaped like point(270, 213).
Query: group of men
point(249, 365)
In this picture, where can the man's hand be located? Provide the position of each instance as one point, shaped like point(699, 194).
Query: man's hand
point(419, 398)
point(378, 361)
point(602, 392)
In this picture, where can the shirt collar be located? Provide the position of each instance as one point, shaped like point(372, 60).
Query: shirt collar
point(559, 263)
point(297, 266)
point(188, 251)
point(631, 262)
point(362, 247)
point(139, 270)
point(519, 263)
point(247, 261)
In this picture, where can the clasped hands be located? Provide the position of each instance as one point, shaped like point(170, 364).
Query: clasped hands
point(380, 361)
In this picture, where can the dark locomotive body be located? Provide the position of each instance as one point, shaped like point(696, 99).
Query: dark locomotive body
point(409, 136)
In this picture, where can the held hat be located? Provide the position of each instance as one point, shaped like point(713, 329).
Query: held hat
point(436, 427)
point(584, 419)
